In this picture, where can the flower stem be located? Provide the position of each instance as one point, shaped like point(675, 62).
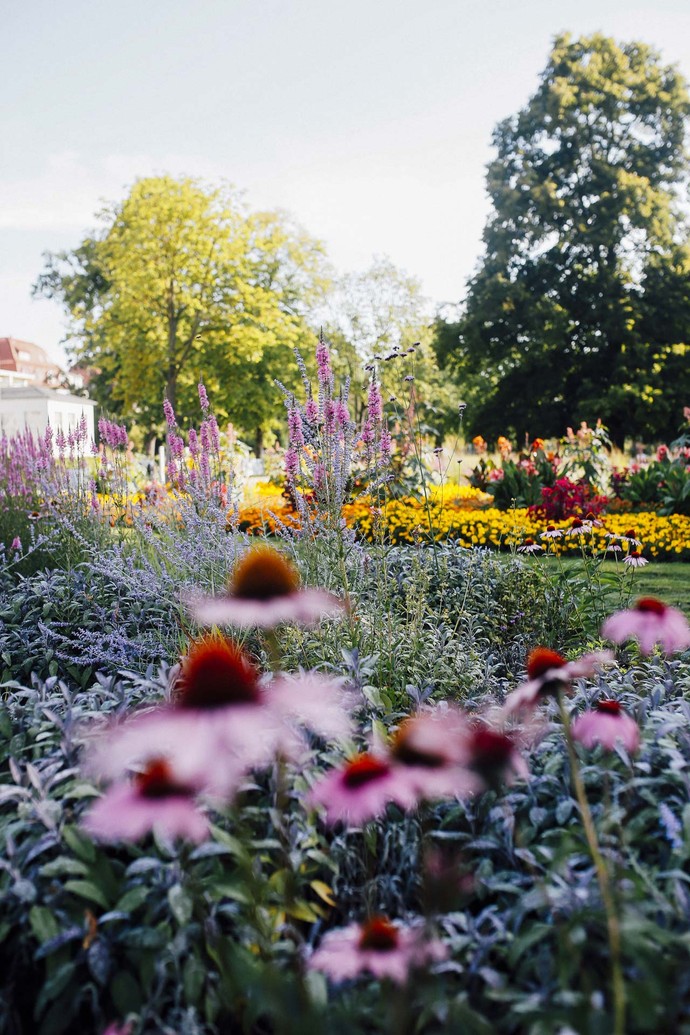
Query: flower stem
point(612, 922)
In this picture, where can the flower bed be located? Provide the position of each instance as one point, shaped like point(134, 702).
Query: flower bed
point(459, 515)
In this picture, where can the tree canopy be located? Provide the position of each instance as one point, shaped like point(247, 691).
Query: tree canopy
point(181, 281)
point(580, 307)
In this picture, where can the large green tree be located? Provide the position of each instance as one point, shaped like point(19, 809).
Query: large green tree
point(584, 249)
point(181, 281)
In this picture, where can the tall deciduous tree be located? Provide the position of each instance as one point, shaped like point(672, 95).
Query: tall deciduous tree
point(182, 281)
point(583, 245)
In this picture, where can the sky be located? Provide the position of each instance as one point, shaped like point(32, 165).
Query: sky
point(369, 121)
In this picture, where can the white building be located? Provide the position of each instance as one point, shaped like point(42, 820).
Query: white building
point(34, 406)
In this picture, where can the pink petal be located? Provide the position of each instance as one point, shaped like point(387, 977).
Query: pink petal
point(304, 607)
point(315, 701)
point(123, 814)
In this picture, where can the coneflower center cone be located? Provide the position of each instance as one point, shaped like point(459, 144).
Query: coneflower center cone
point(263, 573)
point(157, 781)
point(364, 769)
point(379, 934)
point(217, 673)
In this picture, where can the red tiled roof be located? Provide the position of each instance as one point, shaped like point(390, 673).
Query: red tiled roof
point(34, 362)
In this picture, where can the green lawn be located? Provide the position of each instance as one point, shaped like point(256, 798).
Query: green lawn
point(664, 579)
point(670, 582)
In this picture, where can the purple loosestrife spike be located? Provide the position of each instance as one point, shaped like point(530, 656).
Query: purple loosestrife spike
point(205, 469)
point(323, 362)
point(311, 410)
point(374, 401)
point(176, 446)
point(215, 433)
point(295, 433)
point(342, 413)
point(169, 413)
point(291, 461)
point(205, 434)
point(203, 398)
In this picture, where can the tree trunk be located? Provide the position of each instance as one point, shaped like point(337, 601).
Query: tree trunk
point(259, 442)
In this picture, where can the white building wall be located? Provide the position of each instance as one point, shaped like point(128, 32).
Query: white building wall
point(36, 413)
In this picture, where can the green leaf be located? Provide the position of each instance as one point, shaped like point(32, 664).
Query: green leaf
point(64, 864)
point(181, 904)
point(82, 846)
point(88, 890)
point(43, 923)
point(126, 993)
point(133, 898)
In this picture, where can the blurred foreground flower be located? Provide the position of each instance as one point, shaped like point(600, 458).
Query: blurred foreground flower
point(222, 721)
point(154, 800)
point(361, 790)
point(650, 622)
point(264, 591)
point(548, 672)
point(607, 724)
point(431, 751)
point(494, 757)
point(378, 947)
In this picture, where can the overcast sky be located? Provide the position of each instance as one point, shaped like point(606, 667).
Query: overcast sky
point(369, 120)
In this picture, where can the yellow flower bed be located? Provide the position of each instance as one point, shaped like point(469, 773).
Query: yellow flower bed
point(457, 516)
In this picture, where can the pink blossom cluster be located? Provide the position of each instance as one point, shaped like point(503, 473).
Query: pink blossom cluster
point(27, 461)
point(319, 451)
point(375, 435)
point(199, 472)
point(112, 434)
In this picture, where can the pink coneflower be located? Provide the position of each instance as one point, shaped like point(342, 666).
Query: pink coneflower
point(650, 622)
point(578, 527)
point(431, 751)
point(222, 721)
point(606, 725)
point(548, 672)
point(529, 546)
point(635, 559)
point(154, 799)
point(361, 790)
point(264, 591)
point(614, 548)
point(626, 537)
point(378, 947)
point(215, 728)
point(551, 532)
